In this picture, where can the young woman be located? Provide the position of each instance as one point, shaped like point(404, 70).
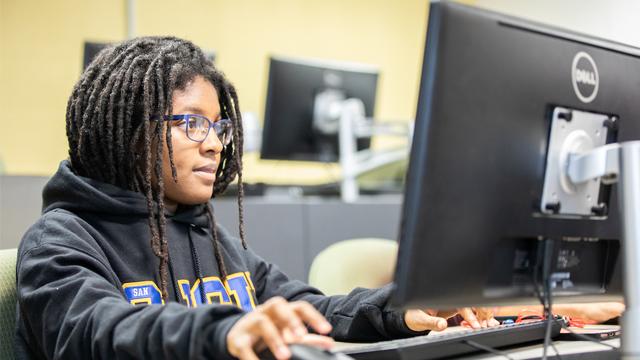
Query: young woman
point(154, 130)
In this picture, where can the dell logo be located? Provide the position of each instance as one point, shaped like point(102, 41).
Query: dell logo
point(584, 75)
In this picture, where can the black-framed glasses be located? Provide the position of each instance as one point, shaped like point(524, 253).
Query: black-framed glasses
point(197, 127)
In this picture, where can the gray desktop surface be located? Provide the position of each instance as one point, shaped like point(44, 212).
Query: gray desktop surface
point(569, 350)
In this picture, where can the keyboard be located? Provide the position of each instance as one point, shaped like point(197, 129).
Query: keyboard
point(437, 346)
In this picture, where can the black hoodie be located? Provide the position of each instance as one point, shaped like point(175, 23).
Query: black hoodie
point(88, 260)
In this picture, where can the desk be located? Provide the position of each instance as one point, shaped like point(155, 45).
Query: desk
point(569, 350)
point(582, 350)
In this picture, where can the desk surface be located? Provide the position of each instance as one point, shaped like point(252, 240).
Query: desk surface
point(583, 350)
point(569, 350)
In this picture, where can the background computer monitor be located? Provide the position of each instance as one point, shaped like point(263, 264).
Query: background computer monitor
point(91, 49)
point(289, 133)
point(210, 54)
point(472, 228)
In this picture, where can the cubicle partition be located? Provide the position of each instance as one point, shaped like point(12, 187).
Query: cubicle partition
point(288, 231)
point(20, 206)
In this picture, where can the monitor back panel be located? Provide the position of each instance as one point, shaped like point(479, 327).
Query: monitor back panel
point(477, 164)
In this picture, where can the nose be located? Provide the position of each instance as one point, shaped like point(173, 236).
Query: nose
point(211, 143)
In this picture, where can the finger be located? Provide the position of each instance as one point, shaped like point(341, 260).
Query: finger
point(418, 320)
point(322, 341)
point(246, 353)
point(484, 313)
point(241, 346)
point(484, 316)
point(446, 313)
point(284, 316)
point(470, 317)
point(264, 327)
point(312, 317)
point(288, 336)
point(431, 312)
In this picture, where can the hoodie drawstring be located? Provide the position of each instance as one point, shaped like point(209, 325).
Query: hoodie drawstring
point(176, 290)
point(194, 252)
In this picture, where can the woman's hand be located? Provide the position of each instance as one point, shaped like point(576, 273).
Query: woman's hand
point(599, 312)
point(274, 324)
point(421, 320)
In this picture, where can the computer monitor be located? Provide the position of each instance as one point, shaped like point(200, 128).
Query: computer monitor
point(210, 54)
point(475, 222)
point(295, 85)
point(91, 49)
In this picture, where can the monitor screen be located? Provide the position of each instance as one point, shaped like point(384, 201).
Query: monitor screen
point(91, 49)
point(473, 227)
point(294, 85)
point(210, 54)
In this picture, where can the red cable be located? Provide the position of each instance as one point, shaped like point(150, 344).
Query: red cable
point(528, 315)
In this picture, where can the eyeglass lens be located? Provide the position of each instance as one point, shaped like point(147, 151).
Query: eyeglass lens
point(224, 129)
point(198, 128)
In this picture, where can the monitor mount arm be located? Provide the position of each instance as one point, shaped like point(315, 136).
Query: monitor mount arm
point(620, 162)
point(579, 160)
point(346, 117)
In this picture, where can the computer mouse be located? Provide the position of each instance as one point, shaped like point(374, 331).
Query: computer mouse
point(306, 352)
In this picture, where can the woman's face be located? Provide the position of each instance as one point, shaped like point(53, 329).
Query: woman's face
point(196, 162)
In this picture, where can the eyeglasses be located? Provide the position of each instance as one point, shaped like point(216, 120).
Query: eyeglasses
point(197, 127)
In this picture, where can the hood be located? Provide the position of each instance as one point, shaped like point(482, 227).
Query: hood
point(77, 194)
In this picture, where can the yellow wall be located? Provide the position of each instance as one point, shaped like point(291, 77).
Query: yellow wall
point(40, 60)
point(41, 54)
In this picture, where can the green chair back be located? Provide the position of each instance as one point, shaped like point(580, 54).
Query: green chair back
point(8, 301)
point(345, 265)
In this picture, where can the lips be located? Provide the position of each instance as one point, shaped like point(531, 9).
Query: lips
point(211, 168)
point(207, 172)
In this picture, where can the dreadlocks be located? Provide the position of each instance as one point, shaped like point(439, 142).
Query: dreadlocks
point(109, 134)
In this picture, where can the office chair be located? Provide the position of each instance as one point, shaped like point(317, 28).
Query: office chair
point(8, 300)
point(348, 264)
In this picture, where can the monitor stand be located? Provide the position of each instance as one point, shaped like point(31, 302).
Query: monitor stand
point(612, 163)
point(346, 117)
point(629, 197)
point(621, 162)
